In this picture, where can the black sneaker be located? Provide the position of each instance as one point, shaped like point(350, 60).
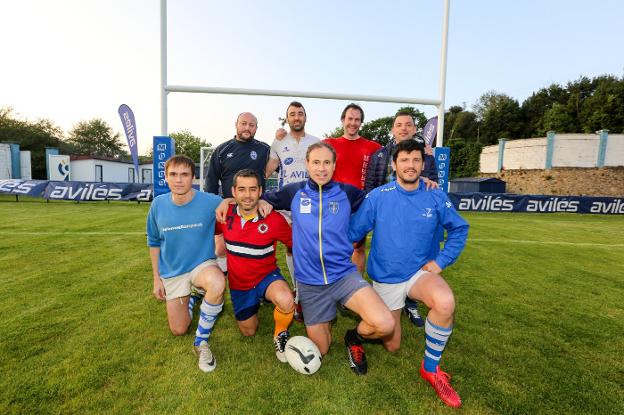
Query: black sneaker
point(411, 310)
point(280, 345)
point(357, 357)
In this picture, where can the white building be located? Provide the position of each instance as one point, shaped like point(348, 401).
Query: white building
point(103, 169)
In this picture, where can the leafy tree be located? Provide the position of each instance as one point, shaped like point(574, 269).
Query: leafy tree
point(33, 137)
point(95, 137)
point(534, 108)
point(558, 118)
point(188, 144)
point(464, 158)
point(499, 116)
point(604, 109)
point(460, 123)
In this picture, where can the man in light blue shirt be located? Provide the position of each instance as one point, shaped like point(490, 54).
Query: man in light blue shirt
point(180, 236)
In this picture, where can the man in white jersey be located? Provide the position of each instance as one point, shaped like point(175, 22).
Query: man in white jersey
point(288, 151)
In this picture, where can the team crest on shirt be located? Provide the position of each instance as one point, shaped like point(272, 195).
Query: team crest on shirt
point(427, 213)
point(448, 204)
point(263, 228)
point(253, 155)
point(333, 207)
point(305, 205)
point(289, 161)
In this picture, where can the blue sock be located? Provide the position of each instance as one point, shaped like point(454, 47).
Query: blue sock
point(193, 299)
point(207, 316)
point(435, 339)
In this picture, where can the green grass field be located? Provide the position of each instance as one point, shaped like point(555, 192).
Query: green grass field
point(539, 326)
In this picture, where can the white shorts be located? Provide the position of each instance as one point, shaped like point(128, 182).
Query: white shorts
point(394, 294)
point(180, 286)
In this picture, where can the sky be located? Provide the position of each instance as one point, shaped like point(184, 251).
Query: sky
point(70, 61)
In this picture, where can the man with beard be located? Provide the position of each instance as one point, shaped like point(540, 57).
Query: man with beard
point(253, 275)
point(241, 152)
point(404, 217)
point(288, 152)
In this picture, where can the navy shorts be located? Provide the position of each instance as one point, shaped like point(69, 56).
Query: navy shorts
point(247, 302)
point(319, 301)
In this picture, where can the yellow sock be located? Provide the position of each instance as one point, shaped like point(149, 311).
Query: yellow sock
point(282, 320)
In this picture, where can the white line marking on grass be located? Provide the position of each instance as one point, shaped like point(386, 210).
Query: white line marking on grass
point(54, 233)
point(525, 241)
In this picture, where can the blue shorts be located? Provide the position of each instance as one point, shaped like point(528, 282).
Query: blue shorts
point(247, 302)
point(319, 301)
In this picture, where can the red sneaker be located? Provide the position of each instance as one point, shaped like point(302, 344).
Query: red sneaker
point(440, 383)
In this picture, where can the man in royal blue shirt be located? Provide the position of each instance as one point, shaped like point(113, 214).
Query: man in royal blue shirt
point(404, 217)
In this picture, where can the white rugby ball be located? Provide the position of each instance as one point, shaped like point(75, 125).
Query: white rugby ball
point(303, 355)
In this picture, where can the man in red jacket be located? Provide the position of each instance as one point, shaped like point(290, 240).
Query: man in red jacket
point(253, 275)
point(353, 153)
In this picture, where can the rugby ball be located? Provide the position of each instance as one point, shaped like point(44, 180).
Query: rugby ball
point(303, 355)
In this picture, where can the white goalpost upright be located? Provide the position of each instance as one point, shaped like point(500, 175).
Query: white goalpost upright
point(165, 89)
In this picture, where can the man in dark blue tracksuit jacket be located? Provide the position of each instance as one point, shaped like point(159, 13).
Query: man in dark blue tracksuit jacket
point(325, 275)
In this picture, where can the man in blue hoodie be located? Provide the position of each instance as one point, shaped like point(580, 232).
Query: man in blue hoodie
point(403, 218)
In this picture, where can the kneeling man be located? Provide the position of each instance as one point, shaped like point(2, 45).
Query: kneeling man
point(403, 218)
point(180, 236)
point(253, 274)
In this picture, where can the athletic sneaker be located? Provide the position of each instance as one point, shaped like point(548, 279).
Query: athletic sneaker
point(357, 357)
point(440, 382)
point(280, 345)
point(207, 362)
point(411, 310)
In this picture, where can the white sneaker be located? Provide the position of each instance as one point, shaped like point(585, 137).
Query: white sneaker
point(280, 345)
point(207, 362)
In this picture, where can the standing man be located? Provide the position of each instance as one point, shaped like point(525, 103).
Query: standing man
point(353, 154)
point(253, 274)
point(242, 151)
point(325, 275)
point(288, 153)
point(380, 171)
point(404, 217)
point(180, 235)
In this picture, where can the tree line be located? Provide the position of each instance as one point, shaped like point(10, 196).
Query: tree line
point(90, 137)
point(581, 106)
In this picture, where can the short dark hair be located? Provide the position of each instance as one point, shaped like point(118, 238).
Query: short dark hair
point(247, 173)
point(318, 145)
point(403, 114)
point(180, 160)
point(354, 106)
point(408, 146)
point(296, 104)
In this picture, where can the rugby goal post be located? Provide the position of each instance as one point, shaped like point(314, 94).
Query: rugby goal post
point(165, 88)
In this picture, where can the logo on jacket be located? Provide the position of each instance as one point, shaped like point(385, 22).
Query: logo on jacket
point(427, 213)
point(333, 207)
point(263, 228)
point(448, 204)
point(230, 155)
point(289, 161)
point(305, 205)
point(253, 155)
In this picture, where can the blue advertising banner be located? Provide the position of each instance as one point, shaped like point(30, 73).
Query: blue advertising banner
point(164, 148)
point(506, 202)
point(78, 191)
point(129, 124)
point(443, 164)
point(431, 131)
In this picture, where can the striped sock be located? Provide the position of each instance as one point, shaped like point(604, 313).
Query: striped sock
point(435, 339)
point(208, 314)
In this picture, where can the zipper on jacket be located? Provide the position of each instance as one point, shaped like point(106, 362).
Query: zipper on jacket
point(321, 232)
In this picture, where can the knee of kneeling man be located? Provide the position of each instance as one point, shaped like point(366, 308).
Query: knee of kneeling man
point(248, 332)
point(392, 347)
point(178, 331)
